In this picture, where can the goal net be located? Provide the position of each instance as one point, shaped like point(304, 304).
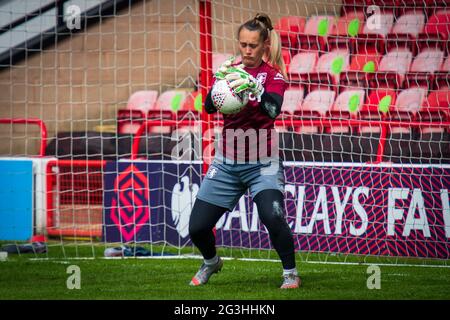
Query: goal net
point(104, 142)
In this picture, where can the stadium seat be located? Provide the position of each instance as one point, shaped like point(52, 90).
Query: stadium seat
point(347, 27)
point(293, 98)
point(361, 69)
point(140, 102)
point(286, 54)
point(438, 23)
point(431, 41)
point(428, 60)
point(192, 103)
point(302, 63)
point(405, 32)
point(396, 41)
point(446, 65)
point(376, 107)
point(166, 107)
point(372, 38)
point(407, 105)
point(129, 121)
point(442, 77)
point(346, 106)
point(334, 63)
point(424, 65)
point(409, 23)
point(288, 28)
point(353, 7)
point(191, 110)
point(436, 108)
point(392, 69)
point(315, 106)
point(317, 29)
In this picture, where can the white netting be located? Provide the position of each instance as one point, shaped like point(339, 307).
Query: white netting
point(364, 129)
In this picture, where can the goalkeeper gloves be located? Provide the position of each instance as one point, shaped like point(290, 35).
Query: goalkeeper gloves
point(226, 68)
point(240, 80)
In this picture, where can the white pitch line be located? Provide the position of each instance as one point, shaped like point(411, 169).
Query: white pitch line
point(378, 264)
point(197, 257)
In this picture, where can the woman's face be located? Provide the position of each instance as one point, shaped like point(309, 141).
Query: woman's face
point(252, 48)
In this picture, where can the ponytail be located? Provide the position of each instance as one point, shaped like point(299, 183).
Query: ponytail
point(275, 54)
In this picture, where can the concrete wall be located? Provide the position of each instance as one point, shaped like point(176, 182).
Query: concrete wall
point(81, 81)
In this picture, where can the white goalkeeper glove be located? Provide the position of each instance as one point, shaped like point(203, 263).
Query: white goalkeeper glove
point(226, 68)
point(240, 80)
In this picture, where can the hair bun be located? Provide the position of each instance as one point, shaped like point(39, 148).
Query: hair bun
point(264, 18)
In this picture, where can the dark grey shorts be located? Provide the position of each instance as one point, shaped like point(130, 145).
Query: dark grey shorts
point(224, 184)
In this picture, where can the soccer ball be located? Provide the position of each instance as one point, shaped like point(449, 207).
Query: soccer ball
point(226, 100)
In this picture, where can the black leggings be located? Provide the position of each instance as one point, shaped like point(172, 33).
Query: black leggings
point(270, 205)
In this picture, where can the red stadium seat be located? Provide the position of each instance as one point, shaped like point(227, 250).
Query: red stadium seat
point(346, 106)
point(288, 28)
point(138, 105)
point(428, 60)
point(361, 69)
point(431, 41)
point(426, 63)
point(166, 107)
point(435, 108)
point(376, 107)
point(315, 105)
point(191, 110)
point(346, 27)
point(425, 7)
point(442, 77)
point(405, 31)
point(356, 7)
point(409, 23)
point(293, 98)
point(286, 54)
point(334, 63)
point(446, 65)
point(292, 101)
point(317, 29)
point(439, 23)
point(129, 121)
point(407, 106)
point(302, 63)
point(142, 100)
point(192, 102)
point(392, 69)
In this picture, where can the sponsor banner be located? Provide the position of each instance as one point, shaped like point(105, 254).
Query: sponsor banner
point(370, 210)
point(149, 202)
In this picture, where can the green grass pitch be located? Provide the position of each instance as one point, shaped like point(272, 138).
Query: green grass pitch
point(25, 277)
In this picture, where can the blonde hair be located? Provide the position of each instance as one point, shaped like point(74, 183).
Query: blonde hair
point(262, 23)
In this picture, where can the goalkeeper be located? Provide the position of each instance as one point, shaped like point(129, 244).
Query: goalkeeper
point(226, 180)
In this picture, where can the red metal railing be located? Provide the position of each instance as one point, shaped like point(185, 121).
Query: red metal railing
point(33, 121)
